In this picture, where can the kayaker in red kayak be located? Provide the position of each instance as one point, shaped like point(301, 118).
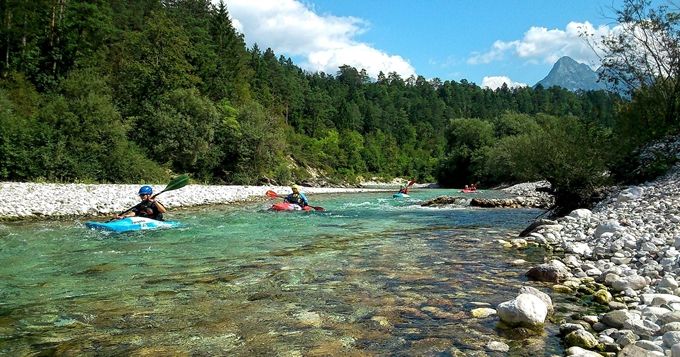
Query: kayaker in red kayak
point(149, 207)
point(469, 189)
point(296, 201)
point(296, 197)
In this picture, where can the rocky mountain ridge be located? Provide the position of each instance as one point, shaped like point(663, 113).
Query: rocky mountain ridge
point(572, 75)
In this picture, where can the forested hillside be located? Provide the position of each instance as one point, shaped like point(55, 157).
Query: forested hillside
point(130, 91)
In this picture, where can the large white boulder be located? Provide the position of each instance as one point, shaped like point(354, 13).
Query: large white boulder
point(541, 295)
point(630, 194)
point(524, 310)
point(581, 213)
point(610, 226)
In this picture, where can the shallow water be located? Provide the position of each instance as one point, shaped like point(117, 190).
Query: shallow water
point(369, 276)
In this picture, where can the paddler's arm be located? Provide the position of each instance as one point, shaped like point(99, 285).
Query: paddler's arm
point(132, 213)
point(161, 208)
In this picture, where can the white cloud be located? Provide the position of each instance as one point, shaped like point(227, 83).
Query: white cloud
point(540, 44)
point(494, 82)
point(291, 28)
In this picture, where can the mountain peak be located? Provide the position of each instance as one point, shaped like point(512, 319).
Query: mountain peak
point(572, 75)
point(566, 60)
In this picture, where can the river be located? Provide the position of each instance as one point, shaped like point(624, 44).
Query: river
point(371, 275)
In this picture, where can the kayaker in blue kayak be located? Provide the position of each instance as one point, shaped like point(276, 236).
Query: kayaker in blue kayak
point(403, 189)
point(148, 208)
point(406, 186)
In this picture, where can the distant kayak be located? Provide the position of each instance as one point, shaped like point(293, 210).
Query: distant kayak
point(468, 191)
point(400, 195)
point(285, 206)
point(130, 224)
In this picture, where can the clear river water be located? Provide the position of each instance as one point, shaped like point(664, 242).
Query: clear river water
point(371, 275)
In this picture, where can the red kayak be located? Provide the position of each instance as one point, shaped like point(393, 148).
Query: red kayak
point(468, 191)
point(285, 206)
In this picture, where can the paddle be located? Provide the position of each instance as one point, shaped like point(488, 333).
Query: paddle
point(177, 182)
point(272, 194)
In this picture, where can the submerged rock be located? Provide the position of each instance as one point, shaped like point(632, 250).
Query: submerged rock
point(482, 312)
point(554, 271)
point(445, 200)
point(497, 346)
point(516, 202)
point(581, 338)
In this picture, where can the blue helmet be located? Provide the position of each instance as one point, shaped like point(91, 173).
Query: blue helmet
point(145, 190)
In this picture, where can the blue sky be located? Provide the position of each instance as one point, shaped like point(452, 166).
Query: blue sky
point(486, 42)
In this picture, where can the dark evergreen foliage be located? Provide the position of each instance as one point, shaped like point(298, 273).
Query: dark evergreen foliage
point(120, 91)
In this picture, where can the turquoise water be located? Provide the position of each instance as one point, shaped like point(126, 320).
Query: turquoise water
point(371, 275)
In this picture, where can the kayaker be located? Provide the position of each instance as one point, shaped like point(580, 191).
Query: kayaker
point(297, 197)
point(148, 208)
point(403, 189)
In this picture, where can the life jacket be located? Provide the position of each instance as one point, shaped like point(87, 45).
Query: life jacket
point(147, 209)
point(297, 199)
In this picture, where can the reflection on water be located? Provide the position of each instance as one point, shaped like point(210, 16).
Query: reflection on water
point(369, 276)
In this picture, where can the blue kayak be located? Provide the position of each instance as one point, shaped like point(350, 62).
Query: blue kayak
point(400, 195)
point(129, 224)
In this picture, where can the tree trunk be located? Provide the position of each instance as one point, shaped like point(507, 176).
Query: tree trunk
point(8, 28)
point(54, 33)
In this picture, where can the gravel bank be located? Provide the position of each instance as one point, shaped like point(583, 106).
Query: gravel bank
point(36, 200)
point(630, 245)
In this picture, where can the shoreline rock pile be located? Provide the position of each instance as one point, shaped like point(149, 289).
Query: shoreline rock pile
point(625, 254)
point(526, 195)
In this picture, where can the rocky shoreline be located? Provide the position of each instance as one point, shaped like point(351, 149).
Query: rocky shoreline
point(526, 195)
point(625, 256)
point(41, 200)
